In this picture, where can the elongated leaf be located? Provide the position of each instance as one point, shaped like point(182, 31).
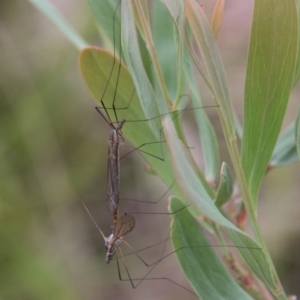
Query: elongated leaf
point(47, 8)
point(225, 188)
point(212, 71)
point(201, 265)
point(129, 29)
point(209, 142)
point(285, 151)
point(208, 47)
point(193, 190)
point(209, 145)
point(165, 46)
point(297, 72)
point(238, 127)
point(135, 64)
point(217, 17)
point(270, 72)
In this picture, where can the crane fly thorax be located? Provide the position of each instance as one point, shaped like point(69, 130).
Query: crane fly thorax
point(115, 140)
point(111, 245)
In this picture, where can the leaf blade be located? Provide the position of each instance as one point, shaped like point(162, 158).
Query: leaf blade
point(192, 188)
point(270, 72)
point(225, 188)
point(285, 151)
point(201, 265)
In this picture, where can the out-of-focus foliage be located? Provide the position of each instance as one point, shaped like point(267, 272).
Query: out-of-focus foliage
point(43, 156)
point(52, 142)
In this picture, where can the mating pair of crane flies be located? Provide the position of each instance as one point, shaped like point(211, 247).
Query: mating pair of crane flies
point(123, 225)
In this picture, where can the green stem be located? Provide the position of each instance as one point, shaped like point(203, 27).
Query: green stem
point(231, 141)
point(220, 240)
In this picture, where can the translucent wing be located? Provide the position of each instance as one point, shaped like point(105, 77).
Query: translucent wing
point(124, 225)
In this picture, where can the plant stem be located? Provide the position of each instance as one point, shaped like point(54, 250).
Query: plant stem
point(231, 141)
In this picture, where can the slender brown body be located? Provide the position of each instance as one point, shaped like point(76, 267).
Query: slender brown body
point(121, 226)
point(115, 140)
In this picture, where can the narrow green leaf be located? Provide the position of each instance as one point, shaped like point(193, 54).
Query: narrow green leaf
point(138, 19)
point(207, 134)
point(163, 36)
point(225, 188)
point(297, 72)
point(192, 188)
point(201, 265)
point(129, 29)
point(210, 54)
point(297, 133)
point(285, 151)
point(213, 73)
point(144, 51)
point(208, 138)
point(271, 67)
point(135, 65)
point(48, 9)
point(238, 127)
point(209, 144)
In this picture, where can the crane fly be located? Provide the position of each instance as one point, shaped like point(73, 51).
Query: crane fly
point(121, 227)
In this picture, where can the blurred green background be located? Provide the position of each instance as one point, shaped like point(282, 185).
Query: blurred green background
point(54, 142)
